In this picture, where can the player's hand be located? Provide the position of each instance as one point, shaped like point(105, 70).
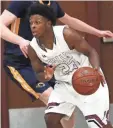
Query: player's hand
point(49, 71)
point(105, 33)
point(24, 47)
point(102, 78)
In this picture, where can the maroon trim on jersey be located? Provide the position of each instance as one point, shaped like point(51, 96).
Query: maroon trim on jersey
point(95, 119)
point(52, 104)
point(107, 115)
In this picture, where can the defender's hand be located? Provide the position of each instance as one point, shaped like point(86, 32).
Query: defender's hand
point(105, 34)
point(49, 71)
point(24, 47)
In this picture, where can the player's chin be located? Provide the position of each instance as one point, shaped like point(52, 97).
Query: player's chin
point(36, 35)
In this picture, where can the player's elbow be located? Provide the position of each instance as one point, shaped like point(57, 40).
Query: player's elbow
point(7, 18)
point(2, 22)
point(2, 29)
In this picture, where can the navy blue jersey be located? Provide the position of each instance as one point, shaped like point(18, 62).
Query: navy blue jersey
point(21, 25)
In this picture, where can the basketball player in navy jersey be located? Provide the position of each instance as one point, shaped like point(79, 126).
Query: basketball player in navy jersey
point(62, 50)
point(15, 55)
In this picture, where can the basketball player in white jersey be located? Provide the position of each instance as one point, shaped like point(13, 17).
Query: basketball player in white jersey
point(63, 51)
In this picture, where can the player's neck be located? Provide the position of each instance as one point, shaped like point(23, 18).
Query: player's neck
point(47, 39)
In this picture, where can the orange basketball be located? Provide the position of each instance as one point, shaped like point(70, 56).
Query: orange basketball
point(86, 80)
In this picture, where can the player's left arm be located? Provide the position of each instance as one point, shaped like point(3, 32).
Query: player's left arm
point(43, 73)
point(75, 41)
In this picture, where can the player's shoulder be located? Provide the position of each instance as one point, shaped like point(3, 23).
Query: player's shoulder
point(14, 4)
point(16, 7)
point(59, 11)
point(33, 40)
point(31, 44)
point(55, 3)
point(59, 27)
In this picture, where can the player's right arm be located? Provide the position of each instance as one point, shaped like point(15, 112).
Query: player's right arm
point(43, 73)
point(75, 41)
point(7, 18)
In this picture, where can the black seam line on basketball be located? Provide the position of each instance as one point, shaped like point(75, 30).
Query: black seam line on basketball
point(82, 77)
point(95, 123)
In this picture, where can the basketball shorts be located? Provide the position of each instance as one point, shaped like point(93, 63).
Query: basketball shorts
point(25, 78)
point(95, 107)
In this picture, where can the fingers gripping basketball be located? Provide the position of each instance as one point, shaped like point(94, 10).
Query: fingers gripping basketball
point(86, 80)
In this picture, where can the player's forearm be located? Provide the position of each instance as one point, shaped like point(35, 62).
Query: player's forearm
point(7, 35)
point(81, 26)
point(94, 59)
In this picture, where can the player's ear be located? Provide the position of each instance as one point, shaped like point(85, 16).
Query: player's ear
point(49, 23)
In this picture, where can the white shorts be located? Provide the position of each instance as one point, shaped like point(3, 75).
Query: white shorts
point(95, 107)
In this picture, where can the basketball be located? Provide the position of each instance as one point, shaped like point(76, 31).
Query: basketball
point(86, 80)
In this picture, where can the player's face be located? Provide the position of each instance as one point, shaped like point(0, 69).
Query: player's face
point(38, 25)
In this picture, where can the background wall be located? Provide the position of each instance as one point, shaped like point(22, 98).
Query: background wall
point(105, 10)
point(97, 14)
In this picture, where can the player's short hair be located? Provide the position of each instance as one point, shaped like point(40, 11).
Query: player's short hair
point(43, 10)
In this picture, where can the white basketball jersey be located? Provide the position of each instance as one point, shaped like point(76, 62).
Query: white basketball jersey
point(66, 60)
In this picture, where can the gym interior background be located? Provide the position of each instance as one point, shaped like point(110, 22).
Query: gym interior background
point(18, 111)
